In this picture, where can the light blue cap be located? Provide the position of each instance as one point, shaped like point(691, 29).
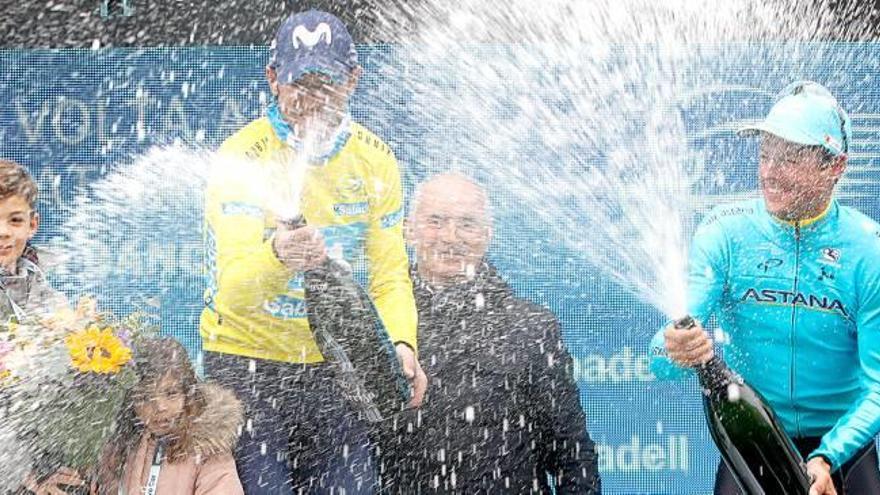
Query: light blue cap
point(806, 113)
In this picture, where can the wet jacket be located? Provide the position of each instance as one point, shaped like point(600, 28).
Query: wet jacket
point(502, 410)
point(26, 293)
point(801, 306)
point(208, 467)
point(254, 304)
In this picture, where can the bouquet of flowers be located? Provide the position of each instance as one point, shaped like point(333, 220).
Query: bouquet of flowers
point(64, 385)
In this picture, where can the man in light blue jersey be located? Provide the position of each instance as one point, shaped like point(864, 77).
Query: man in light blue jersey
point(793, 279)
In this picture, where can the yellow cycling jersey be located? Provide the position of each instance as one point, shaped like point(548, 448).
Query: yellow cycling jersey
point(254, 304)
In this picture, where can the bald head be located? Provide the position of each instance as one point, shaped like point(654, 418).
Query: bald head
point(449, 228)
point(456, 187)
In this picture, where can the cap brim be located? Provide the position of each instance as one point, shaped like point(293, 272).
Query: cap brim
point(787, 134)
point(751, 131)
point(290, 73)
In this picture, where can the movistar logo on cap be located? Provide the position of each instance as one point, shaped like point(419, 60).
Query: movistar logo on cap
point(788, 298)
point(310, 38)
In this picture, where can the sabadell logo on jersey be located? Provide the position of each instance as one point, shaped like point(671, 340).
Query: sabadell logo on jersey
point(784, 297)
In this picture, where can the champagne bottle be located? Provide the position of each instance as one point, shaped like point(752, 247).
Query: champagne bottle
point(351, 336)
point(753, 444)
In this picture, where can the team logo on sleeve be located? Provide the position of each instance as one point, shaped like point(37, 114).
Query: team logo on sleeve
point(239, 208)
point(392, 219)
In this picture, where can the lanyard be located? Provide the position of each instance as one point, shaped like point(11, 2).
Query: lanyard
point(153, 480)
point(26, 267)
point(17, 310)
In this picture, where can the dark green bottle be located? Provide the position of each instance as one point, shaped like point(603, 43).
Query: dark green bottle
point(352, 338)
point(753, 444)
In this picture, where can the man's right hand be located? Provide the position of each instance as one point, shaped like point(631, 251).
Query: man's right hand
point(688, 347)
point(413, 372)
point(299, 249)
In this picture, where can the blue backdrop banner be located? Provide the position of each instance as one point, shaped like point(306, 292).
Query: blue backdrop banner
point(75, 117)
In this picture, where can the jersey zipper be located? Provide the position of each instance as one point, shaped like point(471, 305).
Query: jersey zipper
point(793, 327)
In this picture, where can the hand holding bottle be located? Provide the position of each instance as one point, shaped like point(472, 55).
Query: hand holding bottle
point(688, 346)
point(751, 440)
point(820, 473)
point(299, 247)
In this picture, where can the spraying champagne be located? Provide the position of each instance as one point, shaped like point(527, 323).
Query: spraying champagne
point(752, 443)
point(351, 336)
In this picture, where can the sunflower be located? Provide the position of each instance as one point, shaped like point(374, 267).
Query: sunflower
point(97, 350)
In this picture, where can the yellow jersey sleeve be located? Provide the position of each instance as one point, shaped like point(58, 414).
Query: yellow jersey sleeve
point(390, 284)
point(245, 263)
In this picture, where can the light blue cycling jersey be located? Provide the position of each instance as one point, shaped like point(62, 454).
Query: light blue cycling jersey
point(800, 303)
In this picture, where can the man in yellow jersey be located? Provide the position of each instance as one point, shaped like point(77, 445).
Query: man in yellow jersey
point(300, 432)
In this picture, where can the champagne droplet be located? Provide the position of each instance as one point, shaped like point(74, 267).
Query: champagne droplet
point(733, 392)
point(469, 414)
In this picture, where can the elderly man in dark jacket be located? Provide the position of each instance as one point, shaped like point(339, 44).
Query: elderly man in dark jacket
point(502, 413)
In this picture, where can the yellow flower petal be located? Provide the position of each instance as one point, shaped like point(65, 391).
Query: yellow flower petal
point(97, 350)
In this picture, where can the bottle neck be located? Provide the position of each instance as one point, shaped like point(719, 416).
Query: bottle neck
point(715, 374)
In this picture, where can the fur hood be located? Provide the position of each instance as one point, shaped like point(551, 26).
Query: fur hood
point(202, 457)
point(215, 431)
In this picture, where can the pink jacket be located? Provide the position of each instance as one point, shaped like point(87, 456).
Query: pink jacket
point(209, 467)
